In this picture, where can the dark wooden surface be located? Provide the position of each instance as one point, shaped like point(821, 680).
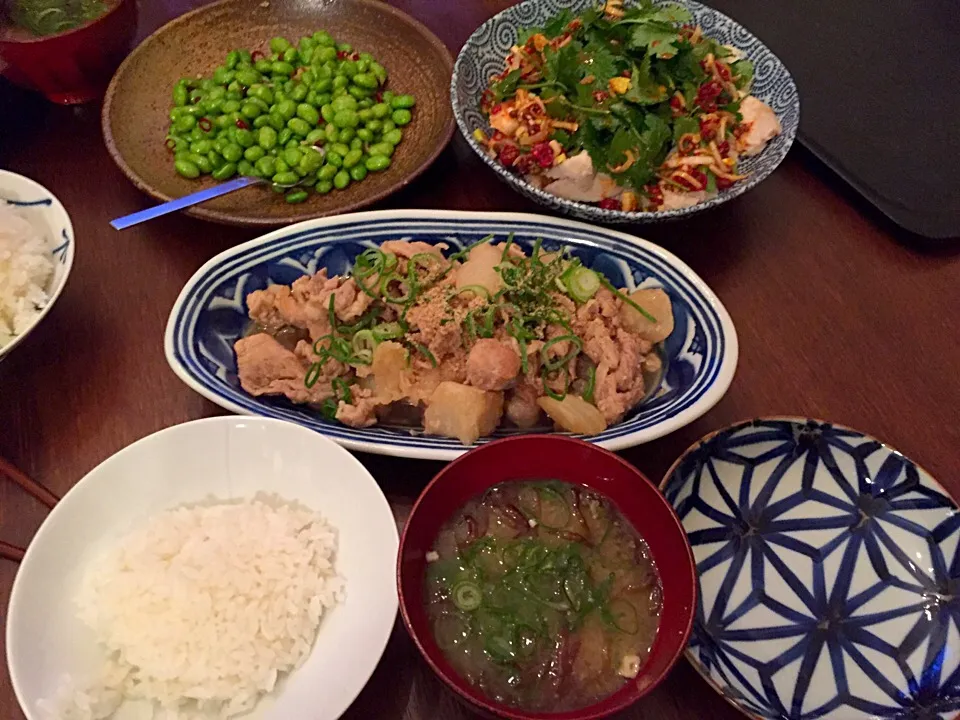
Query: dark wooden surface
point(839, 317)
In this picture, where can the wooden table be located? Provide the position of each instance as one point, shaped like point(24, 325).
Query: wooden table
point(839, 317)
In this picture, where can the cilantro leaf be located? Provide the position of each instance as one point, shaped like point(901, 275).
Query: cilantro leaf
point(594, 141)
point(644, 90)
point(655, 38)
point(506, 87)
point(742, 73)
point(525, 34)
point(672, 14)
point(684, 125)
point(558, 23)
point(601, 63)
point(563, 65)
point(711, 182)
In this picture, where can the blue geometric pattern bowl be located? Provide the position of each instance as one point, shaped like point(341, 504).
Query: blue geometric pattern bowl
point(700, 356)
point(45, 213)
point(483, 56)
point(829, 573)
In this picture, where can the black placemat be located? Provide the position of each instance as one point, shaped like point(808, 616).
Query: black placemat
point(879, 85)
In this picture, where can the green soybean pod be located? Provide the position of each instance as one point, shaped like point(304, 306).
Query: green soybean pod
point(266, 166)
point(401, 117)
point(323, 98)
point(365, 103)
point(317, 136)
point(247, 77)
point(260, 121)
point(324, 54)
point(201, 147)
point(292, 156)
point(306, 55)
point(358, 92)
point(364, 135)
point(279, 44)
point(356, 144)
point(344, 102)
point(292, 143)
point(299, 93)
point(299, 126)
point(347, 134)
point(381, 148)
point(281, 68)
point(253, 153)
point(402, 101)
point(310, 162)
point(244, 138)
point(187, 168)
point(345, 47)
point(346, 118)
point(233, 57)
point(267, 137)
point(263, 66)
point(232, 152)
point(309, 113)
point(380, 110)
point(365, 115)
point(185, 123)
point(348, 68)
point(284, 136)
point(365, 80)
point(388, 125)
point(341, 180)
point(327, 112)
point(334, 159)
point(323, 38)
point(216, 159)
point(311, 99)
point(358, 172)
point(375, 163)
point(363, 64)
point(393, 137)
point(286, 109)
point(291, 55)
point(340, 81)
point(225, 171)
point(281, 165)
point(326, 172)
point(245, 169)
point(374, 126)
point(379, 72)
point(285, 178)
point(351, 158)
point(180, 94)
point(323, 85)
point(306, 42)
point(333, 134)
point(202, 162)
point(296, 196)
point(339, 148)
point(223, 75)
point(324, 186)
point(230, 106)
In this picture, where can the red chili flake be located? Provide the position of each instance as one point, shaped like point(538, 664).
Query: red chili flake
point(543, 154)
point(257, 55)
point(497, 135)
point(205, 124)
point(508, 154)
point(626, 74)
point(341, 55)
point(599, 96)
point(723, 183)
point(610, 204)
point(355, 56)
point(496, 108)
point(724, 148)
point(701, 177)
point(708, 128)
point(171, 144)
point(534, 127)
point(242, 125)
point(378, 96)
point(723, 71)
point(574, 25)
point(655, 194)
point(676, 103)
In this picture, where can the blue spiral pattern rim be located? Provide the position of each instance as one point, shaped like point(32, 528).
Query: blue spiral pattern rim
point(186, 354)
point(483, 53)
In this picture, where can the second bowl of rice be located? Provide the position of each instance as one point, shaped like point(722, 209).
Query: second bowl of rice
point(36, 255)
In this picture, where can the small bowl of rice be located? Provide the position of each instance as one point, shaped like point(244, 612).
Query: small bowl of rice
point(224, 567)
point(36, 255)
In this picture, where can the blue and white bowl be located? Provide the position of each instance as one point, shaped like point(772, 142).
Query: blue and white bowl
point(483, 56)
point(47, 215)
point(700, 355)
point(829, 573)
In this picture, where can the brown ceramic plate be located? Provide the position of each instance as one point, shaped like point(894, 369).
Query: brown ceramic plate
point(137, 105)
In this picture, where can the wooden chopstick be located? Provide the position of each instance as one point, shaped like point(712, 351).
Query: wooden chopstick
point(30, 486)
point(10, 552)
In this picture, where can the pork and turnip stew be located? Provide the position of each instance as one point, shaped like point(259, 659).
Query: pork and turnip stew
point(459, 344)
point(542, 595)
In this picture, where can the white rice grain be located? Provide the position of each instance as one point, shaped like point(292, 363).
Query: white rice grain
point(205, 608)
point(26, 267)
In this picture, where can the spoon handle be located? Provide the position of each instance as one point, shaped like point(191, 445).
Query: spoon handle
point(184, 202)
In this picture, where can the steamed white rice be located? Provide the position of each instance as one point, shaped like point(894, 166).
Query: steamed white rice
point(26, 267)
point(202, 610)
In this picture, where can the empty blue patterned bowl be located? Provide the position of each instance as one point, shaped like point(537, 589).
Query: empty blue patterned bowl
point(829, 573)
point(483, 56)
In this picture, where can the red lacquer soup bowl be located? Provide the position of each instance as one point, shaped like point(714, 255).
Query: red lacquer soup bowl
point(74, 66)
point(538, 457)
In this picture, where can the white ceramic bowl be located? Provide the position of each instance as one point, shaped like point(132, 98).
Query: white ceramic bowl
point(44, 212)
point(229, 457)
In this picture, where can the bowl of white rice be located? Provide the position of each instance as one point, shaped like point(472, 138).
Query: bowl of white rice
point(226, 567)
point(36, 255)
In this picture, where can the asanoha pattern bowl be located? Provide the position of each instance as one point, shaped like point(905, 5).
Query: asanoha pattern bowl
point(483, 56)
point(210, 315)
point(45, 213)
point(829, 573)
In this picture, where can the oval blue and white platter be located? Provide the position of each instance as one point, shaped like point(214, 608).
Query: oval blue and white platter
point(829, 573)
point(211, 314)
point(482, 56)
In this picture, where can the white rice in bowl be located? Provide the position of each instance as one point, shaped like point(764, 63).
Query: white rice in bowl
point(203, 609)
point(26, 268)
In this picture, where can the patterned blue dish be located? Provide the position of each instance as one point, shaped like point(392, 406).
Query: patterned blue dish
point(483, 54)
point(829, 573)
point(210, 315)
point(47, 215)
